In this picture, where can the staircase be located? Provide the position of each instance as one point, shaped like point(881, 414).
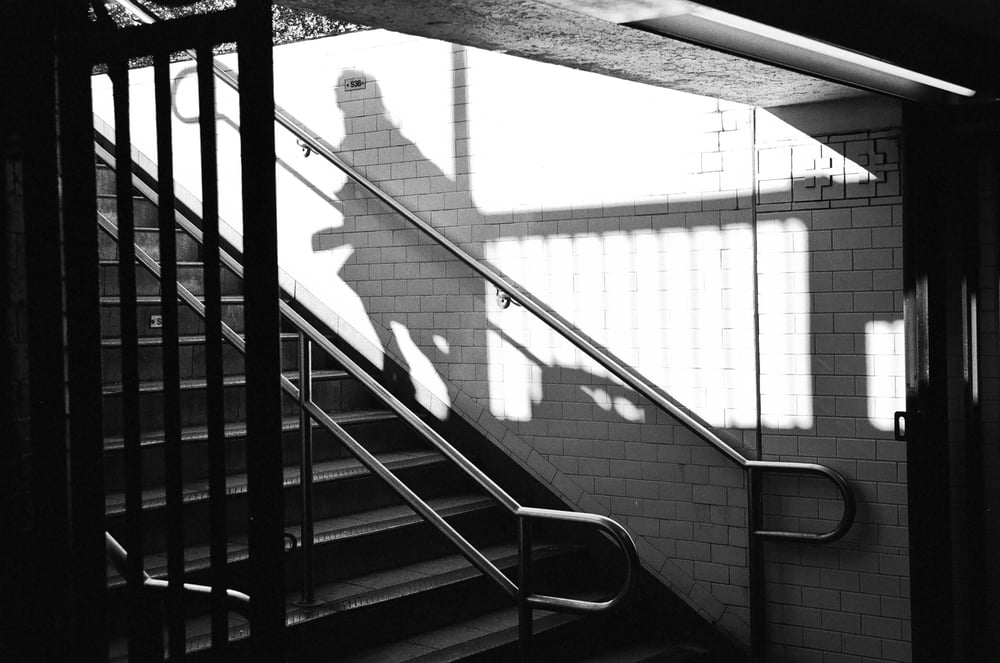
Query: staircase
point(388, 586)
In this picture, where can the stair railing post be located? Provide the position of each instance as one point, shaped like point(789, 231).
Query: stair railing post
point(524, 625)
point(306, 470)
point(758, 601)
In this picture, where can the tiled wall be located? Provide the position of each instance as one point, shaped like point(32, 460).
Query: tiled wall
point(847, 601)
point(630, 211)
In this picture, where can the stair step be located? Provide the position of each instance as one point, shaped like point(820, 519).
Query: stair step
point(332, 390)
point(154, 386)
point(148, 238)
point(422, 596)
point(185, 339)
point(338, 529)
point(558, 638)
point(236, 484)
point(188, 321)
point(239, 429)
point(154, 300)
point(190, 274)
point(460, 642)
point(361, 594)
point(145, 213)
point(381, 571)
point(653, 651)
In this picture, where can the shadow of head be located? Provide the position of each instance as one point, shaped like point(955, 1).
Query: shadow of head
point(357, 85)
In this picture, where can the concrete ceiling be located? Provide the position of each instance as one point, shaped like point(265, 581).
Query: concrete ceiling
point(561, 32)
point(628, 39)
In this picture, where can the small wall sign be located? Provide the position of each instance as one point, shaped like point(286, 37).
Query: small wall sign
point(356, 83)
point(156, 321)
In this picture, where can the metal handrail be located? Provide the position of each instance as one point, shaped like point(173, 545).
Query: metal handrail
point(838, 480)
point(118, 557)
point(619, 369)
point(469, 551)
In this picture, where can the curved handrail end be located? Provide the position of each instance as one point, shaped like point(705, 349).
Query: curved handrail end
point(617, 532)
point(838, 480)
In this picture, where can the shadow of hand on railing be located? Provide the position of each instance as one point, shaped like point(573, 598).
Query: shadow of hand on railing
point(389, 267)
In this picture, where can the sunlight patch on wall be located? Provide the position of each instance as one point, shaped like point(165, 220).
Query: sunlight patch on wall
point(786, 382)
point(429, 389)
point(595, 157)
point(515, 381)
point(885, 365)
point(676, 303)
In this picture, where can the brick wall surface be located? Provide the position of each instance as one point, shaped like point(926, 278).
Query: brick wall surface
point(841, 332)
point(631, 212)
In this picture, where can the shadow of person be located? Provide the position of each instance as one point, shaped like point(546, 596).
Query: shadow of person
point(426, 307)
point(392, 270)
point(617, 402)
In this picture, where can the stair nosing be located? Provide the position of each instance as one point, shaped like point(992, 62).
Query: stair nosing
point(189, 384)
point(296, 616)
point(502, 556)
point(238, 428)
point(469, 503)
point(237, 482)
point(114, 262)
point(184, 339)
point(542, 622)
point(146, 300)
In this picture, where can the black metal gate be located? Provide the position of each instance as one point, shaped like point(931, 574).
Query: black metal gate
point(86, 37)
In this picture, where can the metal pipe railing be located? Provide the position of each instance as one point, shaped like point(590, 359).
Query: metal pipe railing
point(306, 534)
point(754, 470)
point(116, 554)
point(311, 335)
point(619, 369)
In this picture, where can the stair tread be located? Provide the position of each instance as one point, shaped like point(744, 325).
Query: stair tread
point(186, 339)
point(409, 579)
point(180, 263)
point(650, 651)
point(152, 386)
point(482, 633)
point(379, 587)
point(236, 484)
point(110, 300)
point(239, 428)
point(326, 530)
point(457, 641)
point(135, 196)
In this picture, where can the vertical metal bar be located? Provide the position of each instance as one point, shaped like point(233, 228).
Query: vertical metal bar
point(757, 589)
point(50, 553)
point(925, 156)
point(524, 618)
point(974, 610)
point(173, 478)
point(213, 349)
point(756, 286)
point(141, 641)
point(306, 469)
point(755, 496)
point(83, 335)
point(263, 357)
